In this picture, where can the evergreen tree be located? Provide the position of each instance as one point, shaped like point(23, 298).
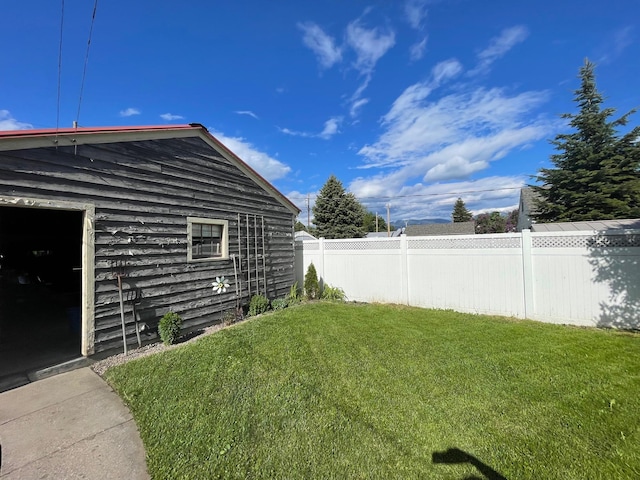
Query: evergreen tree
point(460, 212)
point(299, 226)
point(311, 285)
point(336, 213)
point(597, 174)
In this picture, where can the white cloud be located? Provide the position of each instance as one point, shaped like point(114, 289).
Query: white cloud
point(357, 105)
point(409, 103)
point(247, 112)
point(370, 44)
point(444, 71)
point(7, 122)
point(416, 52)
point(330, 128)
point(454, 167)
point(129, 112)
point(436, 200)
point(268, 167)
point(416, 12)
point(434, 146)
point(415, 130)
point(323, 45)
point(498, 46)
point(615, 45)
point(169, 117)
point(295, 133)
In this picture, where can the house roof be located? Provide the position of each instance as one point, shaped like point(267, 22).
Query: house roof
point(303, 236)
point(592, 225)
point(394, 233)
point(528, 198)
point(457, 228)
point(52, 137)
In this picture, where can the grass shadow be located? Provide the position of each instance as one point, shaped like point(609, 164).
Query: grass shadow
point(455, 456)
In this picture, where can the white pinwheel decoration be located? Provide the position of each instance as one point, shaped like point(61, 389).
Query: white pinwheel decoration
point(220, 285)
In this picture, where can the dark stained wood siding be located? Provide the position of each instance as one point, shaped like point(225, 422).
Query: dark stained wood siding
point(143, 192)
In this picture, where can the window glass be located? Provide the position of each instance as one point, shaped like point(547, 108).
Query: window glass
point(207, 239)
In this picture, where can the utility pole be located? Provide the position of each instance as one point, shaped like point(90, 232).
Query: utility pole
point(308, 212)
point(376, 222)
point(388, 220)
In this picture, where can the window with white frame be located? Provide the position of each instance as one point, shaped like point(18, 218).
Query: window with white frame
point(208, 239)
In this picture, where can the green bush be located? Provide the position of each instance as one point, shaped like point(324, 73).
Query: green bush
point(228, 317)
point(279, 303)
point(333, 293)
point(311, 287)
point(294, 296)
point(259, 304)
point(169, 328)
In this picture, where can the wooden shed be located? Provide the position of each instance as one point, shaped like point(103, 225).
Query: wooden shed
point(168, 209)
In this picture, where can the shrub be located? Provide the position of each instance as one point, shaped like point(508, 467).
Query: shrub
point(279, 303)
point(259, 304)
point(333, 293)
point(228, 318)
point(169, 328)
point(294, 295)
point(311, 288)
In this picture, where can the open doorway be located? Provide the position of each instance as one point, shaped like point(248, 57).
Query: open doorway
point(40, 288)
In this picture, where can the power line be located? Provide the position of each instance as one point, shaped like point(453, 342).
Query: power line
point(86, 60)
point(59, 67)
point(391, 197)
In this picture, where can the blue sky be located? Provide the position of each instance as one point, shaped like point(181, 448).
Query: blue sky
point(411, 103)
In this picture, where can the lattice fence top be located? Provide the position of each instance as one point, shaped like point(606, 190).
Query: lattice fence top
point(464, 243)
point(581, 241)
point(363, 245)
point(626, 240)
point(308, 245)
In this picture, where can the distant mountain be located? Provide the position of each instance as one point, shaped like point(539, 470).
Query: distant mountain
point(418, 221)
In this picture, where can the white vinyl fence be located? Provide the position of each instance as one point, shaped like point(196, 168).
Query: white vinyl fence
point(579, 278)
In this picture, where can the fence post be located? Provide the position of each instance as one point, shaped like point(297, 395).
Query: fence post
point(320, 268)
point(404, 272)
point(527, 274)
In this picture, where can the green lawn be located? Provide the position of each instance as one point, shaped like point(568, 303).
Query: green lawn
point(372, 391)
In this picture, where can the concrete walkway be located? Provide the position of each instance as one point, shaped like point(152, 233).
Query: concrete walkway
point(70, 426)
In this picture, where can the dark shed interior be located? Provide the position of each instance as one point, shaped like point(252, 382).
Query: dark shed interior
point(40, 288)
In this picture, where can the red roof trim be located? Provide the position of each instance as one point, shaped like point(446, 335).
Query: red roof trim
point(48, 132)
point(71, 131)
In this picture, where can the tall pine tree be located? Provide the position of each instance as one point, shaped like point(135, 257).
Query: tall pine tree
point(336, 213)
point(460, 212)
point(597, 174)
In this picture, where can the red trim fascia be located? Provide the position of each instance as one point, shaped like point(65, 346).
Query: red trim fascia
point(84, 130)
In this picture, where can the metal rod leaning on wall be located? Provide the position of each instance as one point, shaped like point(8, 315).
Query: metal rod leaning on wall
point(119, 272)
point(255, 243)
point(264, 262)
point(239, 260)
point(248, 261)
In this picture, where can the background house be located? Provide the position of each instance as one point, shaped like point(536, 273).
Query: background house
point(303, 236)
point(394, 233)
point(167, 208)
point(526, 208)
point(588, 226)
point(456, 228)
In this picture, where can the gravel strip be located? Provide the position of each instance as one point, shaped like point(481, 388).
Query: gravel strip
point(101, 366)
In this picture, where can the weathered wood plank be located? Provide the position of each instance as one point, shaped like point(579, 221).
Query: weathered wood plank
point(142, 193)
